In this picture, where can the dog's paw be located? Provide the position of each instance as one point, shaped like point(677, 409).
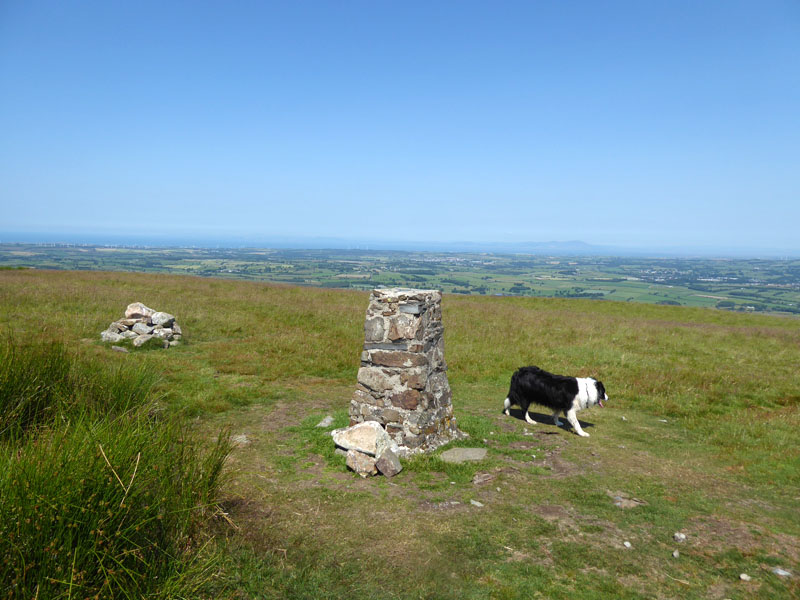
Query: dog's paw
point(557, 423)
point(583, 434)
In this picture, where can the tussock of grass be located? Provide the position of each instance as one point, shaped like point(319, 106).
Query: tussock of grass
point(101, 498)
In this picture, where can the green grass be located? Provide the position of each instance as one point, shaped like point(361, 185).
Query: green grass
point(102, 497)
point(708, 444)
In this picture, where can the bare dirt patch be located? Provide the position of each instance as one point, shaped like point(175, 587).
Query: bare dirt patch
point(718, 534)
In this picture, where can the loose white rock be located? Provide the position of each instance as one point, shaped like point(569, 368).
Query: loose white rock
point(744, 577)
point(361, 463)
point(138, 310)
point(142, 329)
point(676, 554)
point(141, 340)
point(326, 422)
point(162, 318)
point(367, 437)
point(476, 503)
point(111, 336)
point(679, 537)
point(627, 544)
point(781, 572)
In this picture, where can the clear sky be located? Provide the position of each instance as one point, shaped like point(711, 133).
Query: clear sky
point(626, 123)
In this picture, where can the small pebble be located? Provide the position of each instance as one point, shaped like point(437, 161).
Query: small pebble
point(476, 503)
point(679, 537)
point(781, 572)
point(624, 419)
point(498, 489)
point(662, 420)
point(627, 544)
point(744, 577)
point(676, 554)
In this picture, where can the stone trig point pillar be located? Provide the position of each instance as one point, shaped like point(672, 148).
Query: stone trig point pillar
point(402, 382)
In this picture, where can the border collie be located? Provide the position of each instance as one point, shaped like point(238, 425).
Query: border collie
point(559, 393)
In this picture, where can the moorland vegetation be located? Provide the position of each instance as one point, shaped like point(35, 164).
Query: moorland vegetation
point(699, 437)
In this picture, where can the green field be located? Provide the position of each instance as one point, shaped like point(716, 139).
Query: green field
point(699, 437)
point(755, 285)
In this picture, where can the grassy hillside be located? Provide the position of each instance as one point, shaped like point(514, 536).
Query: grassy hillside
point(708, 443)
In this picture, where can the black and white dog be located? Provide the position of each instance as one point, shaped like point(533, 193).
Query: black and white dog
point(559, 393)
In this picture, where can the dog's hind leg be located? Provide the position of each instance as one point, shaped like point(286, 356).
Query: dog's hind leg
point(573, 420)
point(555, 418)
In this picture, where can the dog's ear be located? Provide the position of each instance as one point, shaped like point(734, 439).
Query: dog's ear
point(601, 389)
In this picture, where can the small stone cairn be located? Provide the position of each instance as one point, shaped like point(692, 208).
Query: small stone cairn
point(144, 326)
point(402, 383)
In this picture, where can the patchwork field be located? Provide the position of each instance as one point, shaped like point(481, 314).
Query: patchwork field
point(747, 285)
point(699, 437)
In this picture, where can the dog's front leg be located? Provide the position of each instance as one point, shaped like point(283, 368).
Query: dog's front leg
point(573, 420)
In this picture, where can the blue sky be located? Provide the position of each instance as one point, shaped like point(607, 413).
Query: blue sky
point(662, 123)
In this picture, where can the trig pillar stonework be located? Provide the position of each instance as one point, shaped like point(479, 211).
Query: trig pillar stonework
point(402, 382)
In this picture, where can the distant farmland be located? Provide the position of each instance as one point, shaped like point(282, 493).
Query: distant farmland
point(752, 285)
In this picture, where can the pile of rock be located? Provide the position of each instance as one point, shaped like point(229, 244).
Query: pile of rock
point(144, 326)
point(369, 449)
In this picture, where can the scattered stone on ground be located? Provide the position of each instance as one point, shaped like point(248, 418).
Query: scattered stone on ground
point(326, 422)
point(781, 572)
point(119, 349)
point(476, 503)
point(370, 441)
point(622, 500)
point(368, 437)
point(623, 418)
point(361, 463)
point(481, 478)
point(744, 577)
point(143, 326)
point(389, 463)
point(240, 440)
point(627, 544)
point(675, 554)
point(460, 455)
point(679, 537)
